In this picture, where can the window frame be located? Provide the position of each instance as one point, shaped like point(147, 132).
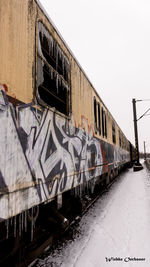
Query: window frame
point(99, 118)
point(95, 114)
point(68, 105)
point(113, 132)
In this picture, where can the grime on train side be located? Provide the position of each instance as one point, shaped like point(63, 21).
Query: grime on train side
point(58, 140)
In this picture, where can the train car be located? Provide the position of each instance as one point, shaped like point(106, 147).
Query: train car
point(56, 135)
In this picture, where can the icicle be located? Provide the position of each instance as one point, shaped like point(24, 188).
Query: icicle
point(31, 231)
point(51, 74)
point(22, 219)
point(50, 44)
point(80, 190)
point(60, 55)
point(56, 57)
point(39, 46)
point(34, 211)
point(44, 33)
point(32, 224)
point(94, 184)
point(75, 191)
point(7, 228)
point(57, 82)
point(25, 221)
point(15, 223)
point(87, 185)
point(63, 65)
point(63, 84)
point(54, 50)
point(19, 224)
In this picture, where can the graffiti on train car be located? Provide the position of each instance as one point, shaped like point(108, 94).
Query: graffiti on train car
point(42, 154)
point(56, 151)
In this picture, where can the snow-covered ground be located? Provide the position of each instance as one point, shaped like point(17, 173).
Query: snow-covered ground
point(114, 232)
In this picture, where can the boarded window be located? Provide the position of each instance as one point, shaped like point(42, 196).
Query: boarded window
point(53, 72)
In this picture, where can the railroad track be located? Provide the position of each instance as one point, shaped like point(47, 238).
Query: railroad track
point(24, 253)
point(49, 242)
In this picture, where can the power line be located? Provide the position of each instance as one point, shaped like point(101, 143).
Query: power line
point(143, 114)
point(139, 100)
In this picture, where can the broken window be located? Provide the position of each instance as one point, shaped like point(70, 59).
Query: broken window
point(120, 141)
point(105, 122)
point(95, 115)
point(99, 119)
point(103, 130)
point(113, 133)
point(53, 72)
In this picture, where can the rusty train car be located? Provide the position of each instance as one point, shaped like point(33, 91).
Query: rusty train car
point(56, 134)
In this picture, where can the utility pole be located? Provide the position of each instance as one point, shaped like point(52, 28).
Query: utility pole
point(144, 151)
point(135, 131)
point(138, 165)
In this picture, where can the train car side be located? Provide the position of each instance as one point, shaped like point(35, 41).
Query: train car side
point(57, 136)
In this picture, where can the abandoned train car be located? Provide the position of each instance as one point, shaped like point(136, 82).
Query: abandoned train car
point(56, 133)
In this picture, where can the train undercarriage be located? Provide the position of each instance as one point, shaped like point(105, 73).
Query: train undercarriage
point(25, 236)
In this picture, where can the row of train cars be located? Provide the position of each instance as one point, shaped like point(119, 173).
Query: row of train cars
point(58, 140)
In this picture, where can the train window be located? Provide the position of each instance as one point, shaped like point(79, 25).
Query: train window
point(53, 72)
point(99, 119)
point(105, 122)
point(113, 132)
point(95, 115)
point(120, 143)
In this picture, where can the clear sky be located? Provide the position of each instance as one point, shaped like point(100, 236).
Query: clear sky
point(111, 41)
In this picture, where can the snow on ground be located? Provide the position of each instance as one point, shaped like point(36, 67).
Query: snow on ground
point(114, 232)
